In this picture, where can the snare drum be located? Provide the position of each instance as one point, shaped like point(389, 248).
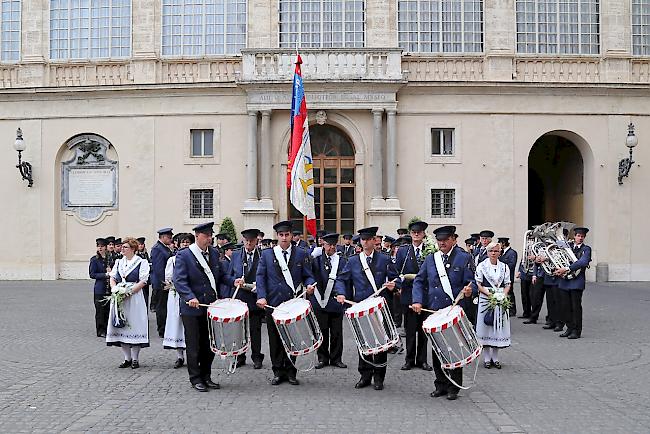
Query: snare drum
point(297, 326)
point(228, 327)
point(452, 337)
point(372, 325)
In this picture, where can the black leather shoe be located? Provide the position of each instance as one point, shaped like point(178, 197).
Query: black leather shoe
point(240, 363)
point(426, 367)
point(438, 393)
point(558, 328)
point(320, 365)
point(277, 380)
point(530, 321)
point(125, 364)
point(257, 364)
point(487, 365)
point(407, 366)
point(179, 363)
point(200, 387)
point(293, 381)
point(574, 335)
point(101, 334)
point(135, 364)
point(340, 364)
point(212, 385)
point(567, 333)
point(452, 396)
point(548, 326)
point(496, 364)
point(379, 385)
point(362, 383)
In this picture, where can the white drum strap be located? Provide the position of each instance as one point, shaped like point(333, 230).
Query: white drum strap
point(367, 270)
point(331, 279)
point(442, 274)
point(196, 251)
point(277, 251)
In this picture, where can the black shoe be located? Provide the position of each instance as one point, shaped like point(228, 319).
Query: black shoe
point(438, 393)
point(558, 328)
point(101, 334)
point(340, 364)
point(125, 364)
point(364, 382)
point(212, 385)
point(496, 364)
point(407, 366)
point(320, 365)
point(135, 364)
point(257, 364)
point(452, 396)
point(179, 363)
point(240, 363)
point(530, 321)
point(379, 385)
point(548, 326)
point(426, 367)
point(574, 335)
point(487, 365)
point(200, 387)
point(293, 380)
point(277, 380)
point(512, 313)
point(161, 335)
point(524, 316)
point(566, 334)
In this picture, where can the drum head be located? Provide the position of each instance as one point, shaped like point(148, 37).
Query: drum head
point(364, 307)
point(443, 317)
point(291, 309)
point(227, 309)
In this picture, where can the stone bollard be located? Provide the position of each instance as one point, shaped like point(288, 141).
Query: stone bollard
point(602, 272)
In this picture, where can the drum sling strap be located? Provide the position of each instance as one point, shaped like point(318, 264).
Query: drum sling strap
point(442, 275)
point(196, 251)
point(284, 267)
point(331, 279)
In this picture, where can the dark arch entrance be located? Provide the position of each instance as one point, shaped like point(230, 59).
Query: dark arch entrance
point(334, 166)
point(555, 181)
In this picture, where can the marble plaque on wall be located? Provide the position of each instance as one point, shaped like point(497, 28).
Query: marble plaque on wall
point(91, 186)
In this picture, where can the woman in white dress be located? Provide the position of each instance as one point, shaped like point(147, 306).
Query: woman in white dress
point(135, 334)
point(492, 275)
point(174, 338)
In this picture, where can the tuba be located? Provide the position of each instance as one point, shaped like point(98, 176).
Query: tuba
point(554, 246)
point(529, 241)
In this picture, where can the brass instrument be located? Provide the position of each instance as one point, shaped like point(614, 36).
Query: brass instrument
point(552, 244)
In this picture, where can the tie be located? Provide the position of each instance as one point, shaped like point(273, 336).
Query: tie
point(206, 256)
point(250, 258)
point(328, 263)
point(285, 253)
point(369, 259)
point(417, 253)
point(445, 258)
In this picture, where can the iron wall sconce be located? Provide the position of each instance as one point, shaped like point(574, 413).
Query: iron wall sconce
point(23, 167)
point(625, 164)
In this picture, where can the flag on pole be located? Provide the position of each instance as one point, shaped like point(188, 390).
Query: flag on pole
point(300, 168)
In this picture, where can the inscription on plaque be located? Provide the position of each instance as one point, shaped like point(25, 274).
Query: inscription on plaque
point(91, 187)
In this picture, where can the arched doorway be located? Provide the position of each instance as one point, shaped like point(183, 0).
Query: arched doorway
point(555, 181)
point(334, 194)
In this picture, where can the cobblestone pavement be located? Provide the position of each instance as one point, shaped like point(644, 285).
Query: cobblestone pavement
point(55, 375)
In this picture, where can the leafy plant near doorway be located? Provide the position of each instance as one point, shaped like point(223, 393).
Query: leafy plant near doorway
point(228, 227)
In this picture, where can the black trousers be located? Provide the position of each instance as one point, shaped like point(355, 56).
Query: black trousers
point(537, 291)
point(198, 354)
point(442, 382)
point(101, 313)
point(398, 313)
point(369, 371)
point(571, 302)
point(553, 305)
point(282, 366)
point(255, 326)
point(526, 286)
point(145, 292)
point(161, 311)
point(331, 325)
point(416, 339)
point(513, 300)
point(155, 293)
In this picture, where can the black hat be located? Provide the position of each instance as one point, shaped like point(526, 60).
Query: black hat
point(356, 238)
point(389, 239)
point(486, 233)
point(250, 233)
point(228, 246)
point(294, 233)
point(503, 239)
point(418, 226)
point(141, 240)
point(266, 241)
point(444, 232)
point(330, 238)
point(406, 239)
point(239, 245)
point(101, 242)
point(347, 236)
point(165, 231)
point(186, 236)
point(285, 226)
point(110, 239)
point(580, 230)
point(320, 233)
point(367, 233)
point(402, 231)
point(470, 241)
point(260, 234)
point(118, 241)
point(204, 228)
point(222, 236)
point(475, 236)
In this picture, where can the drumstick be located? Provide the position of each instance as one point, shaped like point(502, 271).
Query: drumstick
point(202, 305)
point(423, 309)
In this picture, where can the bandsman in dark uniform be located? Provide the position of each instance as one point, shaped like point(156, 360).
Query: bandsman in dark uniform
point(160, 253)
point(353, 284)
point(98, 269)
point(346, 249)
point(298, 241)
point(110, 250)
point(226, 265)
point(429, 291)
point(274, 288)
point(537, 291)
point(387, 244)
point(142, 252)
point(509, 257)
point(401, 232)
point(554, 319)
point(485, 238)
point(526, 281)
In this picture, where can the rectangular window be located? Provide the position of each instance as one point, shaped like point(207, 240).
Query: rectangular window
point(202, 203)
point(203, 27)
point(202, 143)
point(10, 30)
point(322, 23)
point(641, 27)
point(558, 26)
point(90, 29)
point(440, 26)
point(443, 203)
point(442, 141)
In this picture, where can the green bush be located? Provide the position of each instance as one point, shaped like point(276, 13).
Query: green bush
point(228, 227)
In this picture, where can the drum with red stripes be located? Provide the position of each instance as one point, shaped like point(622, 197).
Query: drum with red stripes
point(372, 325)
point(452, 337)
point(297, 326)
point(228, 327)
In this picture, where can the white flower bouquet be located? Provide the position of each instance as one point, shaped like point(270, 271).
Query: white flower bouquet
point(119, 293)
point(493, 316)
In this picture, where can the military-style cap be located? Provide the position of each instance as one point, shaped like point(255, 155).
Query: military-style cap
point(110, 239)
point(475, 236)
point(320, 233)
point(389, 239)
point(444, 232)
point(347, 236)
point(260, 234)
point(250, 233)
point(222, 236)
point(186, 236)
point(266, 241)
point(165, 231)
point(418, 226)
point(228, 246)
point(118, 240)
point(503, 239)
point(101, 242)
point(330, 238)
point(294, 233)
point(580, 230)
point(406, 239)
point(285, 226)
point(239, 246)
point(402, 231)
point(470, 241)
point(204, 228)
point(356, 239)
point(367, 233)
point(141, 240)
point(486, 233)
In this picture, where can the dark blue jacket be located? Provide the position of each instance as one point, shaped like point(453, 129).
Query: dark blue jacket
point(578, 283)
point(159, 256)
point(427, 288)
point(522, 273)
point(97, 271)
point(270, 281)
point(225, 289)
point(321, 274)
point(353, 283)
point(346, 251)
point(405, 263)
point(237, 271)
point(510, 259)
point(191, 281)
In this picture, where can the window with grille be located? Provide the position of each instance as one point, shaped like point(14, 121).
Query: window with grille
point(85, 29)
point(10, 30)
point(322, 23)
point(202, 143)
point(440, 26)
point(203, 27)
point(558, 26)
point(202, 203)
point(641, 27)
point(442, 141)
point(443, 203)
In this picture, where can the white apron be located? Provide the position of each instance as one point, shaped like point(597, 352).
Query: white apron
point(174, 330)
point(492, 336)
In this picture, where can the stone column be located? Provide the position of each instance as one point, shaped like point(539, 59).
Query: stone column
point(499, 39)
point(251, 165)
point(381, 27)
point(34, 42)
point(146, 16)
point(616, 44)
point(391, 160)
point(265, 160)
point(377, 165)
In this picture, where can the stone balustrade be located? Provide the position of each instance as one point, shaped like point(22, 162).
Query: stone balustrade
point(89, 74)
point(439, 68)
point(8, 76)
point(197, 71)
point(640, 71)
point(558, 70)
